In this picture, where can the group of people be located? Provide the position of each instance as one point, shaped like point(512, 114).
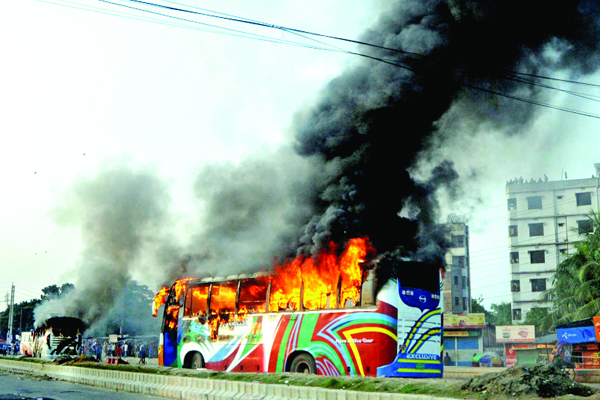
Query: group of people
point(119, 350)
point(519, 181)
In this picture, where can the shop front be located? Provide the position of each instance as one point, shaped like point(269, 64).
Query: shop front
point(578, 343)
point(462, 338)
point(519, 344)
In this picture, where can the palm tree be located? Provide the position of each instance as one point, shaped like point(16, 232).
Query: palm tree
point(576, 283)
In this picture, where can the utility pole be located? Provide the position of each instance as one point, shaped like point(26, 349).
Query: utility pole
point(11, 315)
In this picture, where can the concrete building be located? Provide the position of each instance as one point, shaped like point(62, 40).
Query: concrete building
point(457, 279)
point(545, 219)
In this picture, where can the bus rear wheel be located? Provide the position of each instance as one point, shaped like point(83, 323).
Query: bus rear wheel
point(304, 364)
point(197, 361)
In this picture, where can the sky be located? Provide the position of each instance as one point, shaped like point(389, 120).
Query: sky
point(81, 90)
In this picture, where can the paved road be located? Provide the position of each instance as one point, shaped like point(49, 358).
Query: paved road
point(31, 387)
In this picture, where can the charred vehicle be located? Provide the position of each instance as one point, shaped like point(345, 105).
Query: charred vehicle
point(58, 336)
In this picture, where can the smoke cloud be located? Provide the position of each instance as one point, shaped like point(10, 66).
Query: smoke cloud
point(118, 211)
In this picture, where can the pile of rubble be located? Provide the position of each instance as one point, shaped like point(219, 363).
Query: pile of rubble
point(68, 360)
point(546, 380)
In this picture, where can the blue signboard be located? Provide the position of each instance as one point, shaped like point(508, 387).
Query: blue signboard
point(580, 334)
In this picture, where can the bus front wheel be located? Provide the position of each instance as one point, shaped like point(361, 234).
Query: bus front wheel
point(304, 364)
point(197, 361)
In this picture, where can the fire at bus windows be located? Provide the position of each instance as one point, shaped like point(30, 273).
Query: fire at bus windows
point(326, 282)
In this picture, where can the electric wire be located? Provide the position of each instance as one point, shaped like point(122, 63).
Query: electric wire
point(212, 14)
point(293, 30)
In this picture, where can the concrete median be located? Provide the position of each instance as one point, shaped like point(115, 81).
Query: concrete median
point(179, 387)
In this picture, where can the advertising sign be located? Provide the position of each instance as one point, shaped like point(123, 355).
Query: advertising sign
point(476, 320)
point(597, 328)
point(580, 334)
point(456, 333)
point(515, 334)
point(113, 338)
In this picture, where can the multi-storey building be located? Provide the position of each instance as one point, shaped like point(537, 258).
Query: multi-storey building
point(546, 218)
point(457, 278)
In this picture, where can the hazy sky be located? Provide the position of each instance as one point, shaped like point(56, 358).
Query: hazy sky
point(81, 89)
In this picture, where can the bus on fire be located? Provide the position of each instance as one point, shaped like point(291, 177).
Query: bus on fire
point(326, 316)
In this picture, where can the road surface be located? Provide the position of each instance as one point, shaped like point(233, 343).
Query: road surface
point(34, 387)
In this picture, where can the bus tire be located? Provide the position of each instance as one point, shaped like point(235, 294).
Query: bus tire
point(197, 361)
point(304, 363)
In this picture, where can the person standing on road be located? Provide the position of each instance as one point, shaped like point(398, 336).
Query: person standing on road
point(142, 355)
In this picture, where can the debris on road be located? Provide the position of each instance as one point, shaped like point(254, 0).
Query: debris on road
point(546, 380)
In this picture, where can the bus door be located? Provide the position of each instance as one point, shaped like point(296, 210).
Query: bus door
point(172, 319)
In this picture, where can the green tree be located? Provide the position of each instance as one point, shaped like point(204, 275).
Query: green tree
point(576, 284)
point(540, 317)
point(501, 314)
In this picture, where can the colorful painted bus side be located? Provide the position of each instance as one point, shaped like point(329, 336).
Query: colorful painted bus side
point(399, 334)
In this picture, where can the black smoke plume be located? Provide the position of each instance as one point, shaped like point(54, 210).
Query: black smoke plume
point(377, 120)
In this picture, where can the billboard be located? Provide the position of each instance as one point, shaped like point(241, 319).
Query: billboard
point(476, 320)
point(515, 334)
point(579, 334)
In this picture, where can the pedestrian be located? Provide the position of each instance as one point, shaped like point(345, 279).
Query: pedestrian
point(142, 355)
point(118, 350)
point(98, 351)
point(447, 359)
point(125, 349)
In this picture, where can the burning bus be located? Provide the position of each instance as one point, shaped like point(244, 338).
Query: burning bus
point(327, 315)
point(58, 336)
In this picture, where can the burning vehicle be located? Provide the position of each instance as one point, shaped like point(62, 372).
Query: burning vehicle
point(58, 336)
point(330, 315)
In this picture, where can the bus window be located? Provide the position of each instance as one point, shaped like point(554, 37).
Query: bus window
point(222, 300)
point(419, 276)
point(285, 288)
point(367, 293)
point(253, 295)
point(196, 301)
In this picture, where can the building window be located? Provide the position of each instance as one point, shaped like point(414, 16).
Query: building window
point(584, 227)
point(538, 285)
point(563, 252)
point(464, 282)
point(458, 241)
point(515, 286)
point(459, 261)
point(464, 303)
point(537, 256)
point(512, 204)
point(536, 229)
point(534, 203)
point(457, 301)
point(559, 197)
point(455, 280)
point(514, 257)
point(561, 224)
point(584, 199)
point(513, 231)
point(516, 313)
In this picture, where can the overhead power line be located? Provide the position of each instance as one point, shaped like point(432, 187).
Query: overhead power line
point(510, 75)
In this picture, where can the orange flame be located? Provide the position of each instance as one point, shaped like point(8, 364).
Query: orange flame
point(162, 295)
point(327, 281)
point(159, 300)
